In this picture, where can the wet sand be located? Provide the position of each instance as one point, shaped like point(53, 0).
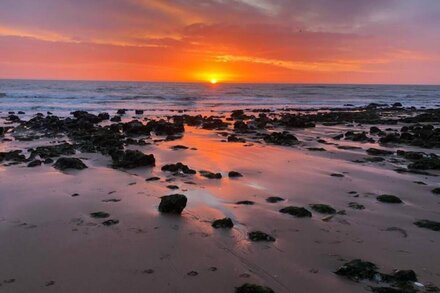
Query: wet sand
point(50, 243)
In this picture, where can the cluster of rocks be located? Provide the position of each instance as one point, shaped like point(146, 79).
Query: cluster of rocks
point(398, 281)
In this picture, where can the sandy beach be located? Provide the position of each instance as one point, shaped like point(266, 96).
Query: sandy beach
point(64, 228)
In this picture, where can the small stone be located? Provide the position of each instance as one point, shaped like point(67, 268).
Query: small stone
point(337, 175)
point(428, 224)
point(245, 202)
point(99, 215)
point(274, 199)
point(75, 195)
point(436, 190)
point(357, 270)
point(110, 222)
point(234, 174)
point(404, 276)
point(223, 223)
point(257, 236)
point(178, 168)
point(172, 187)
point(192, 273)
point(34, 163)
point(178, 147)
point(210, 175)
point(323, 208)
point(298, 212)
point(69, 163)
point(152, 179)
point(387, 198)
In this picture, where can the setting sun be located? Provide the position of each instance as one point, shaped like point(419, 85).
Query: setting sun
point(213, 81)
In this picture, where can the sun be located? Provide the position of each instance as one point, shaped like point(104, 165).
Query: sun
point(213, 81)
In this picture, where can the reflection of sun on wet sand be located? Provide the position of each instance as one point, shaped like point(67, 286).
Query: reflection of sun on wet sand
point(250, 205)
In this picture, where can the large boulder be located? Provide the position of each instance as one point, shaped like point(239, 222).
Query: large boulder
point(172, 204)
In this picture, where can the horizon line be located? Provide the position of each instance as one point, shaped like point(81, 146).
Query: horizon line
point(219, 83)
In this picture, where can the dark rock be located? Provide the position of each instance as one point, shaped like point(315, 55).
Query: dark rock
point(234, 174)
point(223, 223)
point(48, 161)
point(178, 168)
point(52, 151)
point(323, 209)
point(69, 163)
point(281, 138)
point(379, 152)
point(397, 105)
point(274, 199)
point(15, 155)
point(104, 116)
point(163, 127)
point(110, 222)
point(374, 159)
point(253, 288)
point(412, 156)
point(337, 175)
point(432, 162)
point(152, 179)
point(298, 212)
point(317, 149)
point(139, 112)
point(211, 123)
point(375, 130)
point(387, 198)
point(132, 159)
point(178, 147)
point(245, 202)
point(210, 175)
point(428, 224)
point(338, 137)
point(436, 190)
point(193, 273)
point(404, 276)
point(135, 127)
point(390, 138)
point(99, 215)
point(111, 200)
point(121, 111)
point(34, 163)
point(257, 236)
point(358, 270)
point(358, 136)
point(172, 204)
point(296, 121)
point(172, 187)
point(234, 138)
point(240, 126)
point(116, 119)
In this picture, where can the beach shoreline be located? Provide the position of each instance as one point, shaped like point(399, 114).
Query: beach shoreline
point(342, 158)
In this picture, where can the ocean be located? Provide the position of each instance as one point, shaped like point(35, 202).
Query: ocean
point(98, 96)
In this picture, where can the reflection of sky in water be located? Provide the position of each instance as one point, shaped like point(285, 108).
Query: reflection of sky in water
point(200, 197)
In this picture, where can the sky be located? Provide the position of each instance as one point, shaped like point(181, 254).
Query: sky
point(285, 41)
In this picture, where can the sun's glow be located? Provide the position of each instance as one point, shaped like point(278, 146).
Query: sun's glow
point(213, 81)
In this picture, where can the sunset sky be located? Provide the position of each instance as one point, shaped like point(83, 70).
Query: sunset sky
point(316, 41)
